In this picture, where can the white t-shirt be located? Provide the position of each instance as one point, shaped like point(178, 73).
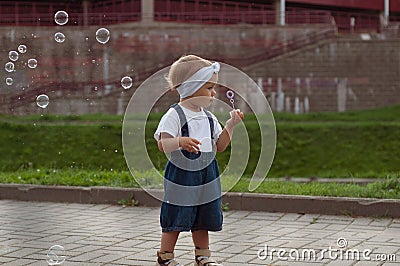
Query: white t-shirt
point(198, 124)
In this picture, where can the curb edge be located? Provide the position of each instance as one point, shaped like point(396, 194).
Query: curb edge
point(236, 201)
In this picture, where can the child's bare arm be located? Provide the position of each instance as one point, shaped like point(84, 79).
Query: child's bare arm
point(226, 134)
point(167, 143)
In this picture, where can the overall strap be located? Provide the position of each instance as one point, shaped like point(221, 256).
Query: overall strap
point(184, 125)
point(211, 121)
point(182, 119)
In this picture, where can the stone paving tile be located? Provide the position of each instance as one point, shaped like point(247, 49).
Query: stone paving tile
point(5, 249)
point(387, 249)
point(380, 222)
point(145, 255)
point(392, 231)
point(108, 258)
point(20, 253)
point(290, 217)
point(84, 248)
point(362, 221)
point(297, 244)
point(288, 263)
point(308, 217)
point(125, 261)
point(317, 225)
point(292, 223)
point(112, 235)
point(4, 260)
point(86, 257)
point(39, 255)
point(21, 262)
point(368, 263)
point(392, 263)
point(336, 217)
point(342, 263)
point(395, 241)
point(239, 258)
point(382, 238)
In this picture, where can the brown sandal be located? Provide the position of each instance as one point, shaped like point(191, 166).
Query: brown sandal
point(203, 258)
point(169, 257)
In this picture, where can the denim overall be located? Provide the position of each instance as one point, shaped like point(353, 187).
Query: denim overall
point(207, 216)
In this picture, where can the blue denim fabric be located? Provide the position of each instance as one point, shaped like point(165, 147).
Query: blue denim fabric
point(191, 218)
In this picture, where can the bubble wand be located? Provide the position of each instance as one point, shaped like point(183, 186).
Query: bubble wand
point(230, 94)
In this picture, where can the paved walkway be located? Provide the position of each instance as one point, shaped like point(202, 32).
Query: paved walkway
point(113, 235)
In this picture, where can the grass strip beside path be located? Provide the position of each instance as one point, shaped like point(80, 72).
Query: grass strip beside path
point(384, 188)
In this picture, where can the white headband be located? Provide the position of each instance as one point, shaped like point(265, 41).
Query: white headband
point(197, 80)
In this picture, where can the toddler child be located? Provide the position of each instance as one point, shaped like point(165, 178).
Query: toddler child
point(191, 134)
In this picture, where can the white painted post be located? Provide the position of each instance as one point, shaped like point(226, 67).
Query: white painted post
point(281, 97)
point(260, 83)
point(386, 12)
point(273, 101)
point(296, 105)
point(106, 66)
point(341, 94)
point(306, 105)
point(282, 12)
point(287, 104)
point(352, 24)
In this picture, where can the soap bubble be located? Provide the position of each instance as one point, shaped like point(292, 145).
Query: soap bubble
point(126, 82)
point(55, 255)
point(61, 17)
point(59, 37)
point(13, 55)
point(32, 63)
point(102, 35)
point(22, 48)
point(9, 67)
point(42, 100)
point(9, 81)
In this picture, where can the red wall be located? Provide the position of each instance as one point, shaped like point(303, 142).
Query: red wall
point(394, 5)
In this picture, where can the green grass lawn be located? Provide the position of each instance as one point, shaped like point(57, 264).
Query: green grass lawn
point(384, 188)
point(349, 144)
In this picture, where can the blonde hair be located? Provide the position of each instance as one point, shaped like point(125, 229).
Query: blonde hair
point(183, 68)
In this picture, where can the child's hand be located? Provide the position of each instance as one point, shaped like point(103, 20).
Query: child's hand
point(236, 117)
point(189, 144)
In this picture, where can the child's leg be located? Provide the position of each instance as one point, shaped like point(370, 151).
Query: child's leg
point(202, 253)
point(166, 253)
point(168, 241)
point(200, 239)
